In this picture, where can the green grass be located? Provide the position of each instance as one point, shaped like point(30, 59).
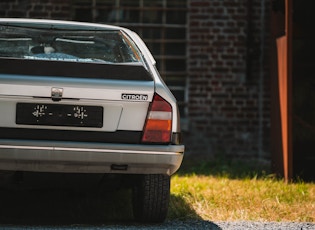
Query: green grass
point(238, 190)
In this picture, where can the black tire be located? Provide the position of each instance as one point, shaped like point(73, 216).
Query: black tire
point(151, 195)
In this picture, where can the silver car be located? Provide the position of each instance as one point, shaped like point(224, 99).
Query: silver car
point(87, 98)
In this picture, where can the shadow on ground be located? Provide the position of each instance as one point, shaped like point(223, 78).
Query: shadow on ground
point(242, 168)
point(39, 203)
point(222, 166)
point(59, 206)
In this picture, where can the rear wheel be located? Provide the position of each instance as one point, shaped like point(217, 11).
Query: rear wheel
point(151, 195)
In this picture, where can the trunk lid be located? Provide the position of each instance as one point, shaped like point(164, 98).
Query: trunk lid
point(119, 93)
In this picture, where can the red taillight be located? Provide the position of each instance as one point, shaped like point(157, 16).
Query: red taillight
point(158, 126)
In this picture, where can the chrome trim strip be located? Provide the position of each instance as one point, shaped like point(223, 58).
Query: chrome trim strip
point(84, 149)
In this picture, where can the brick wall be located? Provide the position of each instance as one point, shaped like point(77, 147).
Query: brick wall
point(228, 78)
point(57, 9)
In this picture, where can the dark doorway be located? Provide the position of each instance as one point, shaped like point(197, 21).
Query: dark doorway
point(293, 147)
point(303, 87)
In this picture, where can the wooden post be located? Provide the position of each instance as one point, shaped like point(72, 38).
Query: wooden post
point(284, 48)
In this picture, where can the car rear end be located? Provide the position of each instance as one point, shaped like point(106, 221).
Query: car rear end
point(87, 98)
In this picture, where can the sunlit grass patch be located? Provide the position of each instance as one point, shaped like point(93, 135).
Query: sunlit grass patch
point(255, 196)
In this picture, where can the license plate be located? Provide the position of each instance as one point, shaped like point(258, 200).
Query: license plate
point(59, 115)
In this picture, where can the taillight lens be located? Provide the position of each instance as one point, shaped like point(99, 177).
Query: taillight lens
point(158, 126)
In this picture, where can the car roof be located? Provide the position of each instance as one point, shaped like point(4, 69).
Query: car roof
point(58, 24)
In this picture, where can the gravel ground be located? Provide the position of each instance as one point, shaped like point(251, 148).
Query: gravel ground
point(244, 225)
point(180, 225)
point(238, 225)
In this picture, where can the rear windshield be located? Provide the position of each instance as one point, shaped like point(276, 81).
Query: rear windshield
point(67, 45)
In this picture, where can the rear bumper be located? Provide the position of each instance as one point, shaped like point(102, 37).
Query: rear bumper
point(78, 157)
